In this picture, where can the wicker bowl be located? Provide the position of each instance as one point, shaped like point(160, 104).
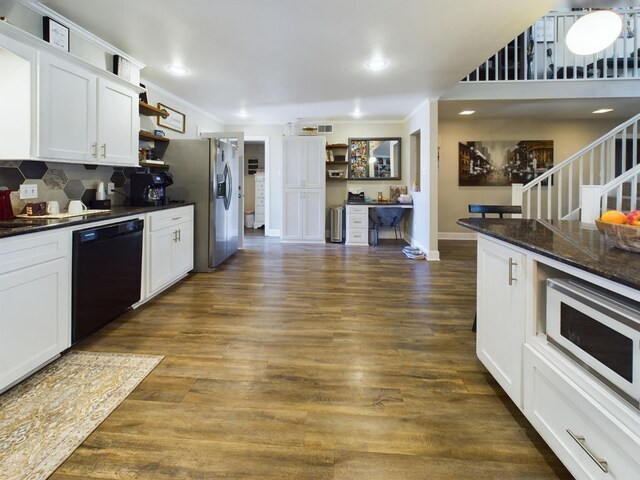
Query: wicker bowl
point(626, 237)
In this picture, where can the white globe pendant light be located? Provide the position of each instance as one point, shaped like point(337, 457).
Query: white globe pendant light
point(594, 32)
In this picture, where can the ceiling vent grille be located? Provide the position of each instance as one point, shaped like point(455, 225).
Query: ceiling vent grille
point(325, 128)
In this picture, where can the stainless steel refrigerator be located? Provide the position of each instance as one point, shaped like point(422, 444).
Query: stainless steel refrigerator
point(207, 172)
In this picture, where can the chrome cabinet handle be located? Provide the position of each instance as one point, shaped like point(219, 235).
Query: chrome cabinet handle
point(175, 236)
point(176, 218)
point(104, 150)
point(579, 439)
point(95, 150)
point(511, 265)
point(179, 235)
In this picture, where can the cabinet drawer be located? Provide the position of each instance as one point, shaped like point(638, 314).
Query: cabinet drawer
point(27, 250)
point(358, 236)
point(357, 209)
point(167, 218)
point(260, 202)
point(259, 218)
point(259, 194)
point(358, 221)
point(556, 407)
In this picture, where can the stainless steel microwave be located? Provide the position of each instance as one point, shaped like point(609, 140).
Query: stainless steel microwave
point(599, 330)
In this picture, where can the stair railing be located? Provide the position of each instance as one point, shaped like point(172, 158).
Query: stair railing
point(557, 193)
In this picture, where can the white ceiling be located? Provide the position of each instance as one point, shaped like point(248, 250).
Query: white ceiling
point(540, 109)
point(284, 60)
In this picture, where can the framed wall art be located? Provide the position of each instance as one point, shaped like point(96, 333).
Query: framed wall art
point(174, 121)
point(55, 33)
point(501, 163)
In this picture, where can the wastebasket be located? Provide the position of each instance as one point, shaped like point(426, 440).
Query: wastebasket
point(335, 220)
point(249, 217)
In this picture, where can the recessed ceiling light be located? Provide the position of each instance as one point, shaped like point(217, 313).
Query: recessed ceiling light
point(467, 112)
point(377, 63)
point(356, 113)
point(179, 70)
point(603, 110)
point(594, 32)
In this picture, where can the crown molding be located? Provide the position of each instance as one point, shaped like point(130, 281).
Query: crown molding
point(181, 100)
point(40, 9)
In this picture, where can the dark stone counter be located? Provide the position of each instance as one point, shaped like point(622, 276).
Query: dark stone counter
point(569, 242)
point(22, 225)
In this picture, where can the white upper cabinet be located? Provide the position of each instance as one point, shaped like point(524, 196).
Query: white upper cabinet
point(68, 106)
point(84, 117)
point(61, 108)
point(17, 95)
point(304, 162)
point(118, 124)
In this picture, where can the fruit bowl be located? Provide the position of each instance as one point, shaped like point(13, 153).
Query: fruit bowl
point(626, 237)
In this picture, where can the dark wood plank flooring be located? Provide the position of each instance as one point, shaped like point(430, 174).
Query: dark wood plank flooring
point(313, 362)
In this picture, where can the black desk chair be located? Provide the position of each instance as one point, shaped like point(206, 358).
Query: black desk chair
point(387, 217)
point(500, 210)
point(497, 209)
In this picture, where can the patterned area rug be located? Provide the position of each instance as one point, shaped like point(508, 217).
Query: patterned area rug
point(46, 417)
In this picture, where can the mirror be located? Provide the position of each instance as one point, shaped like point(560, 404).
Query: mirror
point(374, 159)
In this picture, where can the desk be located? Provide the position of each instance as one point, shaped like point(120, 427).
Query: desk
point(358, 220)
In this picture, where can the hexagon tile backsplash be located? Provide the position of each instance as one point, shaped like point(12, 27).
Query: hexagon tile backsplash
point(62, 182)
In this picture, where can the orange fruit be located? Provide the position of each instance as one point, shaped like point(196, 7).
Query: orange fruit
point(613, 216)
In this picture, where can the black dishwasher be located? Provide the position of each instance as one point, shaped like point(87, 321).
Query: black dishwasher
point(107, 271)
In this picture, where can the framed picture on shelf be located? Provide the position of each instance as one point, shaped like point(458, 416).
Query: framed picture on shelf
point(174, 121)
point(122, 67)
point(55, 33)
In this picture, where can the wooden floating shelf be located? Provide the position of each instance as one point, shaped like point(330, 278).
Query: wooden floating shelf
point(337, 163)
point(337, 145)
point(151, 111)
point(150, 136)
point(154, 165)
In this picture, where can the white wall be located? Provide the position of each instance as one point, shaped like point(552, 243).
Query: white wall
point(568, 137)
point(425, 203)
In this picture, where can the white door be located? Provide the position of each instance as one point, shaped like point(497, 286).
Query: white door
point(67, 125)
point(314, 155)
point(313, 215)
point(501, 310)
point(293, 162)
point(118, 124)
point(292, 206)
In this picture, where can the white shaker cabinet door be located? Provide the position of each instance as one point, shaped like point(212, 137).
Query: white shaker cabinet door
point(67, 123)
point(292, 215)
point(160, 271)
point(118, 124)
point(314, 154)
point(183, 250)
point(313, 215)
point(501, 311)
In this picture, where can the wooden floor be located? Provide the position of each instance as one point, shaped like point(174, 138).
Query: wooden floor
point(313, 362)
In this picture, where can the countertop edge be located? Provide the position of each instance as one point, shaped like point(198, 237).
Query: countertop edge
point(115, 213)
point(546, 253)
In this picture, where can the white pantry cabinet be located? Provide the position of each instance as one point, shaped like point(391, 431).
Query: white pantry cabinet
point(169, 247)
point(35, 324)
point(85, 118)
point(303, 210)
point(501, 314)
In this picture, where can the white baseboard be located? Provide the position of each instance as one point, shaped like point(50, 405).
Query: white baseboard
point(430, 255)
point(457, 236)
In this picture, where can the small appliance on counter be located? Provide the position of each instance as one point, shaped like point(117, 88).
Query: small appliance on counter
point(149, 189)
point(6, 210)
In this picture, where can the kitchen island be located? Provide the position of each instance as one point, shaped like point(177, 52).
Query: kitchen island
point(589, 421)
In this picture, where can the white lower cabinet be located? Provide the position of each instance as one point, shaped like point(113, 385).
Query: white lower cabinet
point(35, 298)
point(169, 247)
point(590, 442)
point(501, 314)
point(303, 218)
point(357, 225)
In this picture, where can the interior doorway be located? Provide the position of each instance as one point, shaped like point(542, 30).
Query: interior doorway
point(256, 153)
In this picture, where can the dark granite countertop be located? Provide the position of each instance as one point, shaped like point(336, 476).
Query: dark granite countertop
point(22, 225)
point(569, 242)
point(381, 204)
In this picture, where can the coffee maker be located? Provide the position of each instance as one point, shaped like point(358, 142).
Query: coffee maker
point(149, 189)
